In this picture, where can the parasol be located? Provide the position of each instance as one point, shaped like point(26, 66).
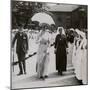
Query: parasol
point(43, 18)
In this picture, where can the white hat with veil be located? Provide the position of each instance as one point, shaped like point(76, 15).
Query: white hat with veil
point(80, 33)
point(63, 31)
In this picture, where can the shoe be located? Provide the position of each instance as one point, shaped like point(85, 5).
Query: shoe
point(60, 73)
point(46, 76)
point(42, 78)
point(24, 72)
point(19, 74)
point(80, 81)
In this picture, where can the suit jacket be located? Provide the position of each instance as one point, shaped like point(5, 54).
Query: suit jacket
point(22, 42)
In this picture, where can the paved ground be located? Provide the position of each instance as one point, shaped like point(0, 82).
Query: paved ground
point(30, 80)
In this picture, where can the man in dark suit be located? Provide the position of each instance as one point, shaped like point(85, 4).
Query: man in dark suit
point(21, 48)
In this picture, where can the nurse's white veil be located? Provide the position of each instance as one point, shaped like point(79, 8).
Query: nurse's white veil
point(63, 31)
point(80, 33)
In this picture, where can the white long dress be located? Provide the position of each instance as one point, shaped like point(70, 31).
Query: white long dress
point(74, 54)
point(43, 55)
point(85, 64)
point(70, 54)
point(79, 58)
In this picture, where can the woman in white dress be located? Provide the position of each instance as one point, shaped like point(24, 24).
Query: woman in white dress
point(74, 53)
point(70, 47)
point(75, 48)
point(80, 63)
point(79, 57)
point(79, 53)
point(85, 62)
point(43, 54)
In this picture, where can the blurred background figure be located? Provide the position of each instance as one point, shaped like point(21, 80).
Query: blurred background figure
point(80, 56)
point(70, 40)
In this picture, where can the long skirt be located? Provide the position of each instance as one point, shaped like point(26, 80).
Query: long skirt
point(42, 61)
point(74, 57)
point(85, 67)
point(78, 64)
point(70, 54)
point(61, 59)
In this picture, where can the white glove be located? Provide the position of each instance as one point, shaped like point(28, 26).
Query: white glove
point(48, 50)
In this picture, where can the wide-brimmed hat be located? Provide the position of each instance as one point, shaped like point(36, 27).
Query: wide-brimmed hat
point(44, 25)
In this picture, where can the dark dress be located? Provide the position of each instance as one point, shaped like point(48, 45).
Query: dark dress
point(70, 37)
point(61, 55)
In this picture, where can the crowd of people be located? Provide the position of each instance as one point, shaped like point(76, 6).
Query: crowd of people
point(62, 40)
